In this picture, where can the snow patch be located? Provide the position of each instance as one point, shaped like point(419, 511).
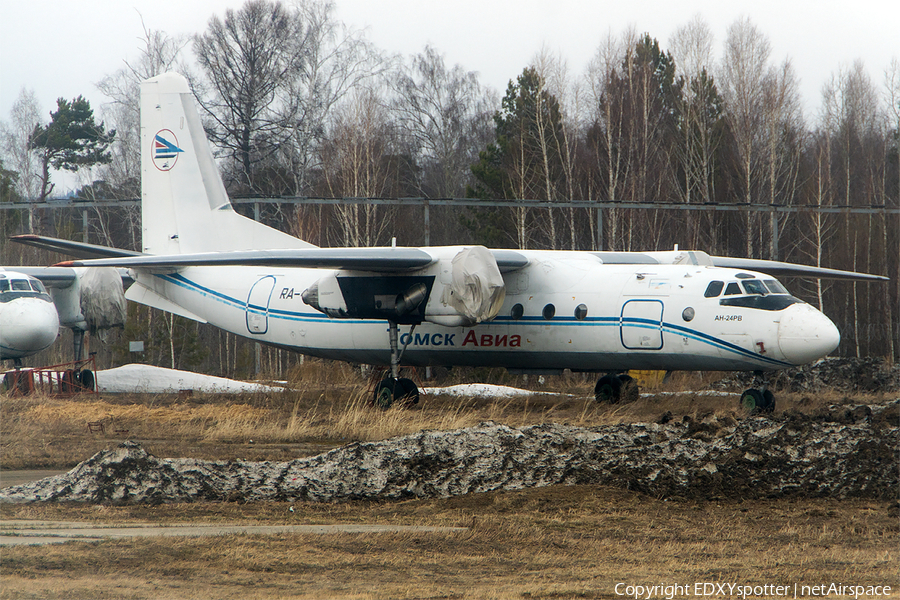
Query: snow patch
point(147, 379)
point(483, 390)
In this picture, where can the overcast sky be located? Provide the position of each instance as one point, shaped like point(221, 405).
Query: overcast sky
point(63, 48)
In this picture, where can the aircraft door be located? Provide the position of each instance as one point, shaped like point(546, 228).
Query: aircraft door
point(257, 307)
point(640, 325)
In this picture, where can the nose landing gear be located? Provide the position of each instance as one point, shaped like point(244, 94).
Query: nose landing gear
point(757, 400)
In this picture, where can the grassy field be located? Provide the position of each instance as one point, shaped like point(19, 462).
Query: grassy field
point(557, 542)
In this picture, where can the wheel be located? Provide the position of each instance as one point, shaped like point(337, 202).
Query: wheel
point(384, 393)
point(752, 401)
point(768, 401)
point(608, 389)
point(391, 390)
point(630, 391)
point(85, 379)
point(406, 391)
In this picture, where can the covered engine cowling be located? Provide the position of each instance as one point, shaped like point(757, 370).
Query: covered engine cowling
point(476, 290)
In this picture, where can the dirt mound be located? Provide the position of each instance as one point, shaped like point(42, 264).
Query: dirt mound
point(841, 374)
point(849, 452)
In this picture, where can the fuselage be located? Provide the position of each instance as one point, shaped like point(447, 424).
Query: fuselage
point(28, 319)
point(565, 310)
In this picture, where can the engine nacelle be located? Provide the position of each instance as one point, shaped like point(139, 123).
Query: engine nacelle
point(469, 290)
point(348, 295)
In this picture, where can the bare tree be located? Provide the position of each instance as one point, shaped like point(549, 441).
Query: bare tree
point(356, 163)
point(159, 53)
point(700, 123)
point(607, 134)
point(784, 131)
point(335, 61)
point(17, 151)
point(445, 114)
point(743, 74)
point(248, 58)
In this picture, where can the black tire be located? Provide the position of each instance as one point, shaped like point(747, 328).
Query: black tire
point(608, 389)
point(629, 392)
point(390, 391)
point(384, 394)
point(752, 401)
point(86, 379)
point(768, 401)
point(406, 392)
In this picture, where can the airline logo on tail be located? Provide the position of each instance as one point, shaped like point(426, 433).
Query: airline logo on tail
point(165, 150)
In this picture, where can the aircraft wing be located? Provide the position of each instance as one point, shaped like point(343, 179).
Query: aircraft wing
point(72, 248)
point(698, 258)
point(378, 260)
point(782, 269)
point(361, 259)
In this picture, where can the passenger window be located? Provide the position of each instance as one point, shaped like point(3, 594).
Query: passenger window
point(732, 289)
point(713, 289)
point(755, 287)
point(581, 312)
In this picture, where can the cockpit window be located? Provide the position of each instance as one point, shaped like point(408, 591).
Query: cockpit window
point(11, 289)
point(771, 302)
point(775, 287)
point(713, 289)
point(733, 289)
point(755, 286)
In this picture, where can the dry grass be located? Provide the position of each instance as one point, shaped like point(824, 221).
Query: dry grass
point(329, 406)
point(562, 542)
point(559, 542)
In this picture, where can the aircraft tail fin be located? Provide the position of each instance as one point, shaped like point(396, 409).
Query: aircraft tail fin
point(185, 208)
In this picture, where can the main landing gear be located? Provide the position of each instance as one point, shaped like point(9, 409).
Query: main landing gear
point(394, 389)
point(615, 388)
point(761, 399)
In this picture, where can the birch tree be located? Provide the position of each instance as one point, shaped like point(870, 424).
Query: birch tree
point(742, 80)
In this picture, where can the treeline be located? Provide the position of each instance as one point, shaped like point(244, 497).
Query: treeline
point(297, 104)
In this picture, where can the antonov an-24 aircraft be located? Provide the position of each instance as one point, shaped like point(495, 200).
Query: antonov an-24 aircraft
point(528, 310)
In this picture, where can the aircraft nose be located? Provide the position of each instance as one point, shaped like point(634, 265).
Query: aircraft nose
point(33, 326)
point(805, 334)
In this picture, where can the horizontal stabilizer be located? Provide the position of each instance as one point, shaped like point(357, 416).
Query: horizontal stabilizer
point(71, 248)
point(783, 269)
point(144, 295)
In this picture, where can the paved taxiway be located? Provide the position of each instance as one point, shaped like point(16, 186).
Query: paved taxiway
point(21, 532)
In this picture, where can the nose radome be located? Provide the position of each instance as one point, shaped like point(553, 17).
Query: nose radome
point(37, 326)
point(805, 334)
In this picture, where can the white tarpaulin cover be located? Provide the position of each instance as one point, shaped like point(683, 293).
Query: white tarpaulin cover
point(476, 289)
point(102, 298)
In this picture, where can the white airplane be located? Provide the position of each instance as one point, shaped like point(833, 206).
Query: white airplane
point(36, 301)
point(526, 310)
point(28, 319)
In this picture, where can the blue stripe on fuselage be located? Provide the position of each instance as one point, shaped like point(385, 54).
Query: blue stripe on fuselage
point(185, 283)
